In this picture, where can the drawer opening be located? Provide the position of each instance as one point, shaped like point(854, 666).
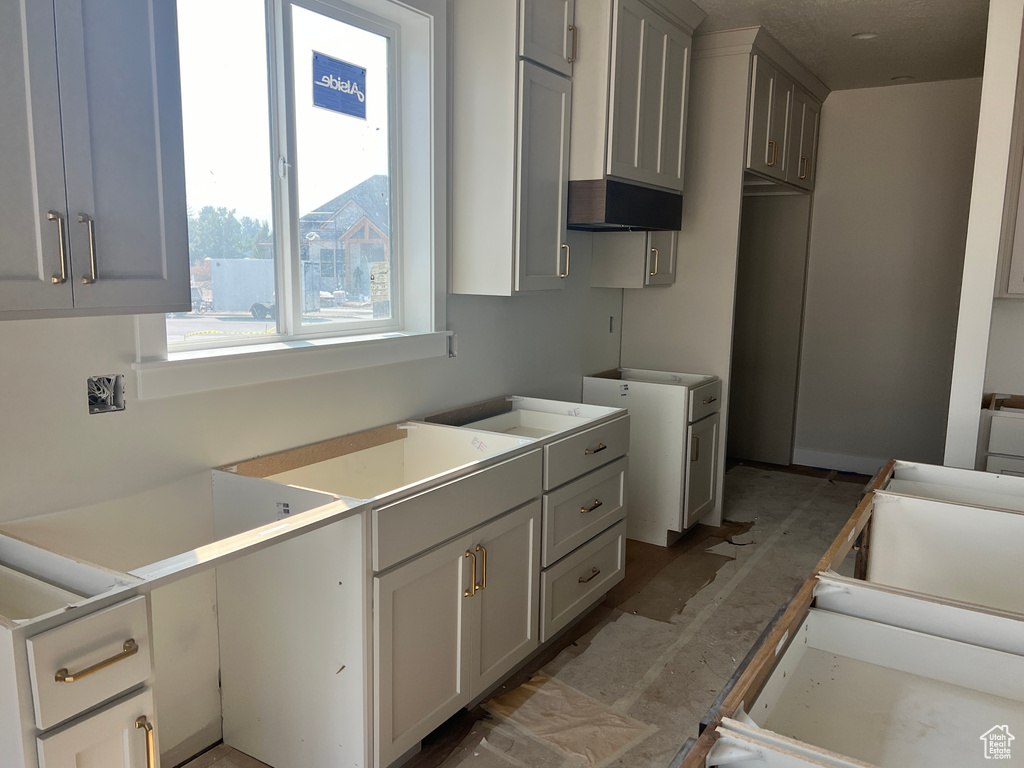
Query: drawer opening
point(888, 696)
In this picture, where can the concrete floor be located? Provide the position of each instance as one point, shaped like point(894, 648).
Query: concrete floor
point(631, 682)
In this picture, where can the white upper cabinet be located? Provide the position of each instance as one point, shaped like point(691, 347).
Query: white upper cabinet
point(547, 34)
point(647, 105)
point(771, 106)
point(803, 140)
point(92, 211)
point(632, 91)
point(510, 145)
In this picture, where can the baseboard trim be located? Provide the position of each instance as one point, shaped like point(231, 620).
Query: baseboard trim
point(863, 465)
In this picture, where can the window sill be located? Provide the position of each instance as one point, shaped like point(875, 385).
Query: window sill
point(184, 373)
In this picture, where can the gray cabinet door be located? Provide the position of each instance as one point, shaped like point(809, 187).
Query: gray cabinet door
point(120, 112)
point(31, 163)
point(544, 34)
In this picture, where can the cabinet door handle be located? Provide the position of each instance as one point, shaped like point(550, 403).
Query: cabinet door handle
point(566, 246)
point(655, 252)
point(86, 219)
point(585, 510)
point(483, 567)
point(592, 451)
point(710, 400)
point(591, 577)
point(696, 448)
point(472, 581)
point(774, 147)
point(143, 722)
point(130, 648)
point(575, 40)
point(63, 244)
point(803, 167)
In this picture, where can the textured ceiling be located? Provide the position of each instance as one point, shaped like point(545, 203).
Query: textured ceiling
point(926, 39)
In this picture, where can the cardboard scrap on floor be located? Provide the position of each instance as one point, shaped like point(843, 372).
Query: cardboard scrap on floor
point(573, 723)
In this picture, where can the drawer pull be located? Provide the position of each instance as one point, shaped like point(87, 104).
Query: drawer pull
point(566, 274)
point(710, 400)
point(591, 577)
point(130, 648)
point(93, 275)
point(483, 567)
point(655, 252)
point(472, 581)
point(585, 510)
point(592, 451)
point(62, 242)
point(142, 722)
point(696, 448)
point(774, 147)
point(575, 41)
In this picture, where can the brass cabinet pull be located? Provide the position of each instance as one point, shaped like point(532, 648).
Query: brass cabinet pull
point(592, 451)
point(130, 648)
point(709, 401)
point(774, 147)
point(584, 510)
point(86, 219)
point(591, 577)
point(472, 582)
point(566, 246)
point(696, 448)
point(655, 252)
point(142, 722)
point(575, 40)
point(483, 567)
point(61, 278)
point(803, 167)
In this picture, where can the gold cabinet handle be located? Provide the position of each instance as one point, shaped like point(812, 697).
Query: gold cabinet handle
point(61, 278)
point(585, 510)
point(575, 40)
point(130, 648)
point(774, 147)
point(655, 252)
point(483, 567)
point(142, 722)
point(86, 219)
point(592, 451)
point(696, 448)
point(566, 246)
point(710, 400)
point(803, 167)
point(472, 582)
point(591, 577)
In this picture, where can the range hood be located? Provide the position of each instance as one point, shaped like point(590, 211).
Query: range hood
point(610, 205)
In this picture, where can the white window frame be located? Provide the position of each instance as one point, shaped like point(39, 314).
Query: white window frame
point(419, 194)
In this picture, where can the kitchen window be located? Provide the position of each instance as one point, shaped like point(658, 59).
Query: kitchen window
point(314, 149)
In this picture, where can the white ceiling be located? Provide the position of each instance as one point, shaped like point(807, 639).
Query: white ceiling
point(926, 39)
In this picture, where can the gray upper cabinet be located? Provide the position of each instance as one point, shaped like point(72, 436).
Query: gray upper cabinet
point(92, 208)
point(547, 34)
point(771, 105)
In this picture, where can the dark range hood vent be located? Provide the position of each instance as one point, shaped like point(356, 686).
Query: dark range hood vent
point(607, 205)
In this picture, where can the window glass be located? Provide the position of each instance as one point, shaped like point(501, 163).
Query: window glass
point(342, 161)
point(229, 186)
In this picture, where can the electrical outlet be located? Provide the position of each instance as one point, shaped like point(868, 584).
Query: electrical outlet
point(106, 393)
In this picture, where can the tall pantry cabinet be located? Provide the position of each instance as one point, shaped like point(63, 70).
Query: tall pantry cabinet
point(511, 102)
point(92, 206)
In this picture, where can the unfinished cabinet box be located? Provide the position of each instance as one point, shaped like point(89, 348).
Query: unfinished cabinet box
point(674, 464)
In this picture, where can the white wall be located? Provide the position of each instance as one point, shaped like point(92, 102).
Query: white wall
point(887, 242)
point(1002, 54)
point(54, 455)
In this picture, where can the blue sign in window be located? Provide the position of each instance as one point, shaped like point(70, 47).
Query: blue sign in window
point(339, 86)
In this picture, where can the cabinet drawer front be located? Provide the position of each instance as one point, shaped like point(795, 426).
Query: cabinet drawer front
point(77, 647)
point(573, 583)
point(1007, 436)
point(705, 399)
point(416, 524)
point(582, 509)
point(1005, 465)
point(567, 459)
point(108, 738)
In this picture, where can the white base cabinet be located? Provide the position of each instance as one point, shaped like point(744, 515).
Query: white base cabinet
point(449, 623)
